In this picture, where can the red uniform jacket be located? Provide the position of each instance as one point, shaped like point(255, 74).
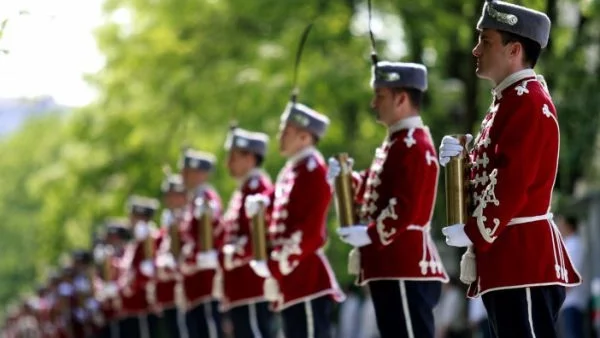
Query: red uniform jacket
point(137, 297)
point(397, 196)
point(241, 285)
point(298, 231)
point(167, 278)
point(515, 159)
point(111, 308)
point(198, 284)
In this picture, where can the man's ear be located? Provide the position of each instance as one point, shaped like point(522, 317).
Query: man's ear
point(515, 49)
point(399, 98)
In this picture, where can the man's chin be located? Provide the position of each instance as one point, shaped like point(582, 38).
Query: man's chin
point(481, 74)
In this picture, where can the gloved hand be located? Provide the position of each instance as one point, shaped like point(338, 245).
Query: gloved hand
point(334, 169)
point(450, 147)
point(252, 204)
point(203, 205)
point(80, 314)
point(92, 305)
point(166, 261)
point(65, 289)
point(355, 235)
point(166, 218)
point(111, 289)
point(456, 236)
point(141, 231)
point(260, 268)
point(99, 254)
point(207, 260)
point(147, 268)
point(82, 285)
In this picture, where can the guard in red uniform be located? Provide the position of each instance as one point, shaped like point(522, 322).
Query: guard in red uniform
point(300, 279)
point(199, 265)
point(394, 253)
point(83, 325)
point(517, 258)
point(243, 294)
point(174, 198)
point(136, 279)
point(109, 255)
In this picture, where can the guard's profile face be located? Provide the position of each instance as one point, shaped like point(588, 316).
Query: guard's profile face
point(492, 56)
point(382, 103)
point(174, 199)
point(239, 162)
point(291, 139)
point(192, 178)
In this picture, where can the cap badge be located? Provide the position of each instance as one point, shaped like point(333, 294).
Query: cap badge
point(509, 19)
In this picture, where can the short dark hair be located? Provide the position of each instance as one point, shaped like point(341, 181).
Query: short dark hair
point(531, 49)
point(315, 139)
point(414, 95)
point(259, 159)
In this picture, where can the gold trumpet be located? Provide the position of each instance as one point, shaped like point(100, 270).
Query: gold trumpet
point(107, 268)
point(457, 198)
point(175, 245)
point(458, 205)
point(344, 194)
point(259, 234)
point(148, 246)
point(205, 235)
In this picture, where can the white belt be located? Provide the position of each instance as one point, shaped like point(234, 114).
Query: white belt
point(423, 228)
point(529, 219)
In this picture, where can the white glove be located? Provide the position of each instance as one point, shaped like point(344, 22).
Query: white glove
point(260, 268)
point(334, 169)
point(229, 249)
point(99, 254)
point(111, 289)
point(147, 268)
point(451, 147)
point(252, 204)
point(202, 205)
point(65, 289)
point(207, 260)
point(355, 235)
point(81, 285)
point(80, 314)
point(456, 236)
point(166, 260)
point(166, 218)
point(141, 231)
point(92, 304)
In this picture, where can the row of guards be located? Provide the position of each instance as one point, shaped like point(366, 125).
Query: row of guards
point(263, 257)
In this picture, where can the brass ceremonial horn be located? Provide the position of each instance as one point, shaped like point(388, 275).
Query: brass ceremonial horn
point(456, 185)
point(205, 232)
point(107, 268)
point(344, 194)
point(259, 234)
point(175, 245)
point(148, 245)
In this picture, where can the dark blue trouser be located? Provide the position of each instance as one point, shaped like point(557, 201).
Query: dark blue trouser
point(405, 308)
point(104, 332)
point(308, 319)
point(251, 320)
point(204, 321)
point(171, 321)
point(570, 323)
point(524, 312)
point(143, 326)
